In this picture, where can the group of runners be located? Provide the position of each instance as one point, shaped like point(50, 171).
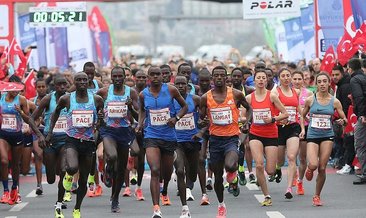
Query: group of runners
point(90, 129)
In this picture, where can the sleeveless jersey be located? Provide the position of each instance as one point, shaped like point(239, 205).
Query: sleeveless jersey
point(115, 108)
point(11, 120)
point(61, 124)
point(96, 87)
point(186, 127)
point(290, 104)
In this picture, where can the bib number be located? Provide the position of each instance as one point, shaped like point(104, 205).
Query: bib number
point(82, 118)
point(159, 117)
point(117, 109)
point(291, 114)
point(320, 121)
point(260, 114)
point(186, 123)
point(9, 122)
point(221, 116)
point(61, 125)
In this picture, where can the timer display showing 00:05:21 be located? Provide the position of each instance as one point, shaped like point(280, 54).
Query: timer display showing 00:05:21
point(57, 16)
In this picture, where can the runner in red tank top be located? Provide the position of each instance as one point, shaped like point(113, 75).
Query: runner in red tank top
point(288, 130)
point(263, 131)
point(221, 105)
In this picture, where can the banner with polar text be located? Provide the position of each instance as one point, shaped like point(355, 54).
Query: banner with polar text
point(258, 9)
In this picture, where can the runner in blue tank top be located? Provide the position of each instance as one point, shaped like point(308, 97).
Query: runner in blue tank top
point(156, 105)
point(55, 152)
point(188, 145)
point(320, 134)
point(82, 115)
point(13, 108)
point(120, 103)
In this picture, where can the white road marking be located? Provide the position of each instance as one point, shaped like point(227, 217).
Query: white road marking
point(259, 198)
point(274, 214)
point(18, 207)
point(252, 187)
point(32, 194)
point(10, 217)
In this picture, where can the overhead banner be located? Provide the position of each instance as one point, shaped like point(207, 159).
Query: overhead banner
point(294, 38)
point(330, 24)
point(257, 9)
point(307, 23)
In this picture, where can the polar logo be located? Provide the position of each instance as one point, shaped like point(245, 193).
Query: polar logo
point(271, 5)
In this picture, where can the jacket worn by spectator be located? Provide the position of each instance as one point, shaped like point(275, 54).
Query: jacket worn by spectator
point(343, 90)
point(358, 90)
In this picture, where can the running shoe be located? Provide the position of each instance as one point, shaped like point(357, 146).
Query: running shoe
point(156, 212)
point(221, 212)
point(127, 192)
point(189, 196)
point(267, 202)
point(300, 188)
point(63, 205)
point(67, 196)
point(19, 199)
point(209, 184)
point(133, 180)
point(242, 179)
point(138, 194)
point(205, 200)
point(13, 196)
point(226, 185)
point(76, 213)
point(39, 190)
point(272, 178)
point(98, 191)
point(236, 188)
point(278, 175)
point(252, 178)
point(231, 176)
point(229, 188)
point(67, 182)
point(108, 176)
point(165, 201)
point(185, 213)
point(316, 201)
point(309, 174)
point(58, 213)
point(288, 194)
point(91, 190)
point(5, 198)
point(115, 207)
point(346, 169)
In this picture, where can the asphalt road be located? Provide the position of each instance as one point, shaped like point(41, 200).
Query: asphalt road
point(341, 199)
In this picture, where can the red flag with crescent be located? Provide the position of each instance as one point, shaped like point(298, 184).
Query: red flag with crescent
point(10, 86)
point(359, 41)
point(30, 86)
point(345, 49)
point(328, 61)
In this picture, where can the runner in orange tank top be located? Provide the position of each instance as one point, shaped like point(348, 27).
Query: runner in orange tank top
point(263, 131)
point(221, 106)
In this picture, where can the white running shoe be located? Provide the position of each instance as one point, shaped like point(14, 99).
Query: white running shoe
point(185, 213)
point(346, 169)
point(189, 196)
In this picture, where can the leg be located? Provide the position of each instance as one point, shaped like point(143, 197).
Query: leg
point(85, 164)
point(60, 170)
point(180, 171)
point(292, 150)
point(302, 158)
point(49, 158)
point(16, 152)
point(360, 144)
point(167, 170)
point(153, 157)
point(218, 169)
point(312, 154)
point(26, 160)
point(38, 153)
point(325, 150)
point(256, 148)
point(202, 166)
point(4, 149)
point(120, 171)
point(248, 156)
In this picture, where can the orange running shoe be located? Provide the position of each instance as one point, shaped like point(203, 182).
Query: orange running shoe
point(127, 192)
point(309, 174)
point(221, 212)
point(316, 201)
point(13, 196)
point(91, 190)
point(5, 198)
point(98, 191)
point(205, 200)
point(300, 188)
point(165, 201)
point(138, 194)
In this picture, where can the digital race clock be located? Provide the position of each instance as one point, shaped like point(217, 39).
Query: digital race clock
point(57, 16)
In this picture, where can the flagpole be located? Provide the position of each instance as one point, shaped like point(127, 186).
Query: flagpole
point(317, 28)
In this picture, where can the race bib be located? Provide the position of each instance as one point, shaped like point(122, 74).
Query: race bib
point(186, 122)
point(61, 125)
point(321, 121)
point(82, 118)
point(117, 109)
point(221, 116)
point(9, 122)
point(291, 113)
point(159, 117)
point(260, 114)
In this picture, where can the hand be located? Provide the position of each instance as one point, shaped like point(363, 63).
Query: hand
point(340, 122)
point(100, 116)
point(129, 102)
point(138, 130)
point(203, 123)
point(197, 136)
point(41, 141)
point(243, 120)
point(17, 107)
point(302, 134)
point(172, 121)
point(48, 140)
point(267, 120)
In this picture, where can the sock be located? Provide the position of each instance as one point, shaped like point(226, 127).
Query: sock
point(222, 204)
point(241, 168)
point(185, 207)
point(6, 185)
point(91, 179)
point(278, 167)
point(299, 180)
point(15, 184)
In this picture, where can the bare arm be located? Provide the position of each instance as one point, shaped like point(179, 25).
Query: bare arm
point(276, 101)
point(38, 113)
point(338, 107)
point(304, 112)
point(142, 114)
point(133, 104)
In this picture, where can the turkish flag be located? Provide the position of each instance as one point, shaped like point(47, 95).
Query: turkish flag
point(345, 49)
point(349, 21)
point(23, 65)
point(30, 86)
point(328, 61)
point(359, 41)
point(10, 86)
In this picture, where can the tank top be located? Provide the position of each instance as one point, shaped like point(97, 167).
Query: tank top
point(290, 104)
point(224, 117)
point(186, 127)
point(320, 125)
point(11, 120)
point(95, 89)
point(193, 89)
point(81, 118)
point(115, 108)
point(158, 111)
point(61, 124)
point(263, 109)
point(302, 98)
